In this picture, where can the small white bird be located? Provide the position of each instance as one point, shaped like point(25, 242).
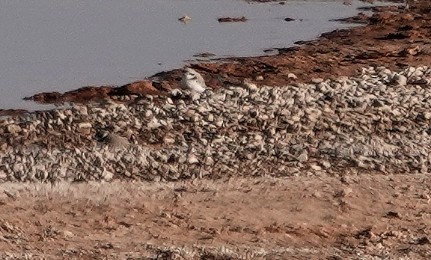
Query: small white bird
point(112, 140)
point(193, 80)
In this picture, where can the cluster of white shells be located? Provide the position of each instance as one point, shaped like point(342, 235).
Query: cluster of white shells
point(379, 121)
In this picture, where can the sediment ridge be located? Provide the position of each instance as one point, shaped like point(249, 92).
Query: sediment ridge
point(378, 121)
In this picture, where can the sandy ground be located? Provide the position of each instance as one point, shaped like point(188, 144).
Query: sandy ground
point(358, 217)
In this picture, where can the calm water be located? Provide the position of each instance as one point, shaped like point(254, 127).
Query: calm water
point(50, 45)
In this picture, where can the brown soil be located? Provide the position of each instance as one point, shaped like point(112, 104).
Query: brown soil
point(295, 218)
point(393, 37)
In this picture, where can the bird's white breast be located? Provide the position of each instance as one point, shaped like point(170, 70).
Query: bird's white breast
point(194, 85)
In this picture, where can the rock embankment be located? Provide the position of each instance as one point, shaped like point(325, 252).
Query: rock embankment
point(378, 121)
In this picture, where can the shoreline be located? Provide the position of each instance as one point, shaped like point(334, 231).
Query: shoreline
point(333, 54)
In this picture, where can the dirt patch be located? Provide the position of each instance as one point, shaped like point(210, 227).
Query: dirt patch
point(226, 219)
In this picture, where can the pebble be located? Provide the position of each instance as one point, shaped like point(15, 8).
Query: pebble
point(377, 121)
point(13, 129)
point(291, 76)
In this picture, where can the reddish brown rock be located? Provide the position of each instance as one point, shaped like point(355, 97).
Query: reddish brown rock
point(83, 94)
point(86, 94)
point(45, 97)
point(12, 112)
point(144, 87)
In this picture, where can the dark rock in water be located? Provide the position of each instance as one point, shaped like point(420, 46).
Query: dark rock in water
point(204, 55)
point(361, 18)
point(45, 97)
point(232, 19)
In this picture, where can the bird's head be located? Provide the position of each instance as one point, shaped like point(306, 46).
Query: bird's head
point(190, 74)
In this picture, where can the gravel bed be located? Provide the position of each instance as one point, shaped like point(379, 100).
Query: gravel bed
point(378, 121)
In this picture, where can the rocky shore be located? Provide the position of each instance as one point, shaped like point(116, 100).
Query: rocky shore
point(392, 36)
point(378, 121)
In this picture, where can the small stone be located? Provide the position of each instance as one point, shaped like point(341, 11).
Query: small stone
point(84, 131)
point(85, 125)
point(345, 180)
point(303, 157)
point(81, 110)
point(13, 129)
point(427, 115)
point(209, 161)
point(219, 123)
point(317, 80)
point(291, 76)
point(296, 118)
point(107, 175)
point(184, 19)
point(192, 159)
point(326, 164)
point(316, 167)
point(67, 234)
point(168, 140)
point(347, 190)
point(392, 214)
point(154, 123)
point(317, 194)
point(258, 137)
point(401, 80)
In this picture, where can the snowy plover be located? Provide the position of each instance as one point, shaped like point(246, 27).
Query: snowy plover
point(112, 140)
point(193, 80)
